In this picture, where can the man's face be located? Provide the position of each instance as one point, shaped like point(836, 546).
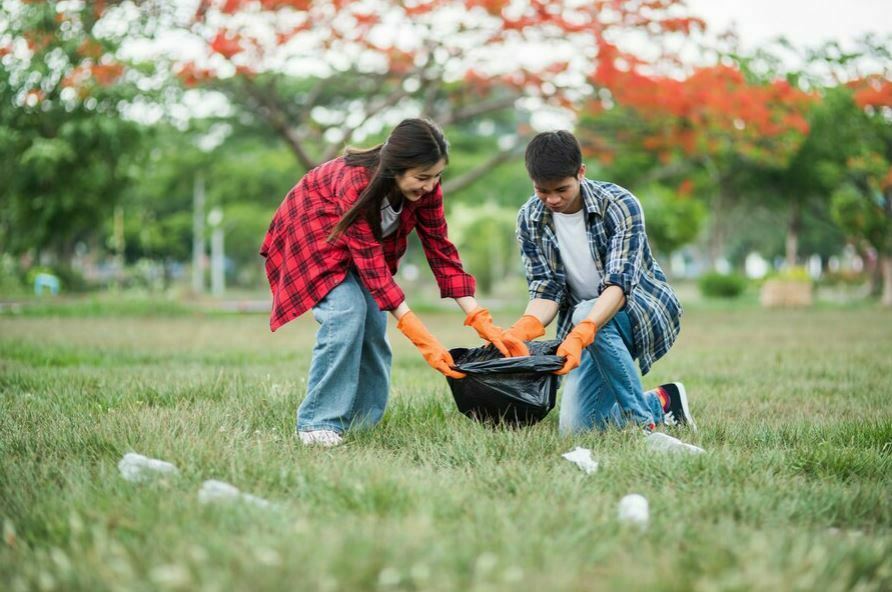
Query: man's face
point(562, 196)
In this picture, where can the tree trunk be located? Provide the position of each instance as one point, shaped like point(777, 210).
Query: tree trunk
point(718, 222)
point(886, 266)
point(793, 229)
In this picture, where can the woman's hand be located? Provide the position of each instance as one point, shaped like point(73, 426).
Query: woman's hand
point(437, 356)
point(509, 345)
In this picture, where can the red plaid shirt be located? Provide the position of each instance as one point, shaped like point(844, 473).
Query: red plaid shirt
point(302, 266)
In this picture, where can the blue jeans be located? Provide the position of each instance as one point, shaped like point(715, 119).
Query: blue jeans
point(350, 370)
point(605, 388)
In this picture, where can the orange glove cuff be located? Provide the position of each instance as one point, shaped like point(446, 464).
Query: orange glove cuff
point(478, 316)
point(527, 327)
point(586, 332)
point(414, 330)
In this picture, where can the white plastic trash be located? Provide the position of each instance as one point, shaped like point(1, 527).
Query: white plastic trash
point(582, 457)
point(665, 443)
point(633, 509)
point(219, 491)
point(136, 467)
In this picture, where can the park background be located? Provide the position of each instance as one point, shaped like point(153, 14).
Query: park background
point(144, 147)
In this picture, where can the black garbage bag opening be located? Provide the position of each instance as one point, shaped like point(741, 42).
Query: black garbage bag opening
point(512, 391)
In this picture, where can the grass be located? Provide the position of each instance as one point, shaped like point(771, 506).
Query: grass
point(793, 494)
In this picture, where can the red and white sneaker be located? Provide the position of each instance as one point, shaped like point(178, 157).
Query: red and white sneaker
point(675, 405)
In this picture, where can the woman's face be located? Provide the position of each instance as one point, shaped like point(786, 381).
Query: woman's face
point(419, 181)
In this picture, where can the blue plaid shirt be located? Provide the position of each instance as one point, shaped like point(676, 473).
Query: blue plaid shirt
point(619, 248)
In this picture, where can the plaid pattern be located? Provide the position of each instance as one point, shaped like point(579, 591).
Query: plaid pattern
point(619, 247)
point(302, 266)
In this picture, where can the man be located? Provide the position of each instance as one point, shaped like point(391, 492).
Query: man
point(588, 262)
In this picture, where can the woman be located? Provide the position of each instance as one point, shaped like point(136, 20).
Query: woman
point(333, 247)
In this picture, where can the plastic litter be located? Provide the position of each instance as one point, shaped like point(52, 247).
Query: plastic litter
point(213, 491)
point(633, 509)
point(661, 442)
point(514, 391)
point(582, 457)
point(137, 468)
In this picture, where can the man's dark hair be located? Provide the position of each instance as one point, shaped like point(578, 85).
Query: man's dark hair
point(553, 155)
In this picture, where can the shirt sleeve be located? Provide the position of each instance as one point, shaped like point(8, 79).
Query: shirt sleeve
point(542, 282)
point(441, 254)
point(625, 228)
point(368, 255)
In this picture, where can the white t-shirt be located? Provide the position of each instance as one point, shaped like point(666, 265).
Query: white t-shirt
point(582, 274)
point(390, 218)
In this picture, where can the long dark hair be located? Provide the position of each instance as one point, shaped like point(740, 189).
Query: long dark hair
point(412, 143)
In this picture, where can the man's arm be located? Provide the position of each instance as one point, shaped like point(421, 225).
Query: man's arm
point(607, 304)
point(542, 309)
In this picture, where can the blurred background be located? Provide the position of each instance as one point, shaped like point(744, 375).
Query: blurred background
point(144, 146)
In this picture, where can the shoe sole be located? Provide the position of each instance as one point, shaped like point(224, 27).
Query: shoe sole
point(683, 396)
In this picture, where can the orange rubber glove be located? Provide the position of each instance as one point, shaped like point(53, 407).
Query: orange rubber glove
point(481, 321)
point(582, 336)
point(434, 353)
point(526, 328)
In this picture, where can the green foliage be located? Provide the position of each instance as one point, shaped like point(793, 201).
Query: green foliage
point(863, 217)
point(66, 150)
point(720, 285)
point(672, 220)
point(484, 236)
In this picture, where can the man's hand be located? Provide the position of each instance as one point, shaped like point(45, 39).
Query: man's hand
point(526, 328)
point(582, 336)
point(437, 356)
point(481, 321)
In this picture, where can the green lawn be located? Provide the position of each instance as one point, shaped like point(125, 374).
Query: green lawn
point(794, 492)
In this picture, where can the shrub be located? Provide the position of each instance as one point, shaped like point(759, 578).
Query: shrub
point(792, 274)
point(718, 285)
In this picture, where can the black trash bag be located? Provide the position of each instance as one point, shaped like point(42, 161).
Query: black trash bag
point(499, 390)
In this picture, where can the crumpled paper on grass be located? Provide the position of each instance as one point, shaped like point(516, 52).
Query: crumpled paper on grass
point(582, 457)
point(213, 491)
point(138, 468)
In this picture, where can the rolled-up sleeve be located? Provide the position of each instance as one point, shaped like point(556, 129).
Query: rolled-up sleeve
point(625, 224)
point(542, 281)
point(441, 254)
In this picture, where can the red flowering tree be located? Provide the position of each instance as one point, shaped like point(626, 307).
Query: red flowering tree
point(325, 73)
point(701, 130)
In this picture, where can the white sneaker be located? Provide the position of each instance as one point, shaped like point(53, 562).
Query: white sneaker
point(325, 438)
point(661, 442)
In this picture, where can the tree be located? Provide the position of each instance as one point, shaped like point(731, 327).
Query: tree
point(65, 147)
point(359, 67)
point(863, 203)
point(705, 127)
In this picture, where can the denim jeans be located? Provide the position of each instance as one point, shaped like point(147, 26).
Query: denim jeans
point(605, 388)
point(350, 370)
